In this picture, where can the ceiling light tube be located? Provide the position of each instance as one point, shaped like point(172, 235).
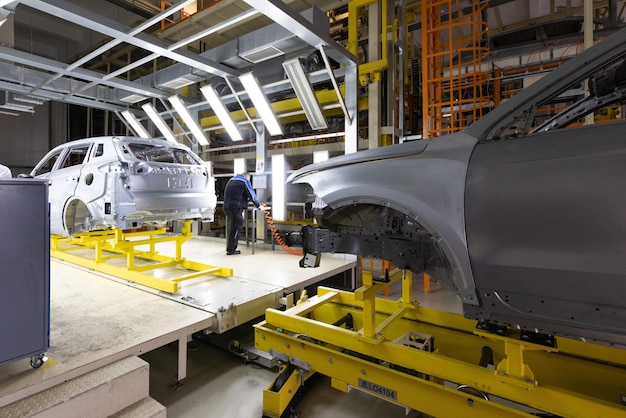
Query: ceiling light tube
point(159, 122)
point(306, 95)
point(262, 105)
point(189, 120)
point(136, 126)
point(222, 113)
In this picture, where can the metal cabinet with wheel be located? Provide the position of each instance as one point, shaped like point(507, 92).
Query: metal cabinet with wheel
point(24, 270)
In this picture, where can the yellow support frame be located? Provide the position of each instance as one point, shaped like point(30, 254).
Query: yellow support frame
point(109, 245)
point(373, 68)
point(277, 399)
point(573, 380)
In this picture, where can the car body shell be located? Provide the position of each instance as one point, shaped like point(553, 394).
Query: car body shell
point(124, 182)
point(525, 223)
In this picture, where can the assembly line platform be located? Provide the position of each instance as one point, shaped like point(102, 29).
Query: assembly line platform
point(96, 319)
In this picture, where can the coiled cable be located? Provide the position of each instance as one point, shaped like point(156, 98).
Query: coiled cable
point(277, 236)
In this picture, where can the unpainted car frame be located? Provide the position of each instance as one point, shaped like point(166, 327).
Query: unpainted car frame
point(124, 182)
point(524, 217)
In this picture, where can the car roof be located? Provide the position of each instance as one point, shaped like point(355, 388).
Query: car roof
point(126, 139)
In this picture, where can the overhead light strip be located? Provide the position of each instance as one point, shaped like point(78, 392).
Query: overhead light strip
point(222, 112)
point(136, 126)
point(306, 95)
point(159, 122)
point(189, 120)
point(262, 105)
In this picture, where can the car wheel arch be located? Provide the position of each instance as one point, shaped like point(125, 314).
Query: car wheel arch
point(75, 210)
point(450, 240)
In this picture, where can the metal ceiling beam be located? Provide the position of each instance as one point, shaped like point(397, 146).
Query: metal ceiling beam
point(111, 44)
point(80, 16)
point(205, 32)
point(21, 89)
point(280, 13)
point(47, 64)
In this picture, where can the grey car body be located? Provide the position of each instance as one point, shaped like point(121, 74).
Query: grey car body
point(523, 215)
point(124, 182)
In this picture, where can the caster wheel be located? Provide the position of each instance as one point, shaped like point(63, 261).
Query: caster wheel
point(38, 361)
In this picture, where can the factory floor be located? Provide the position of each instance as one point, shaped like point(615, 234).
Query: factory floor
point(220, 384)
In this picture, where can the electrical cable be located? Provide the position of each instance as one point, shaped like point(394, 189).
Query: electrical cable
point(277, 236)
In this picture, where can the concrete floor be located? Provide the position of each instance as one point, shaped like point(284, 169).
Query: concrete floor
point(219, 384)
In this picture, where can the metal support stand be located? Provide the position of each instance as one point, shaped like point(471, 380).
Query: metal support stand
point(433, 361)
point(103, 248)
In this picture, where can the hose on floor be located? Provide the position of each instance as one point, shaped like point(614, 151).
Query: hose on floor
point(277, 236)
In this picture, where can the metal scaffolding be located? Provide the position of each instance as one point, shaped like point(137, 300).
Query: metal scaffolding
point(455, 91)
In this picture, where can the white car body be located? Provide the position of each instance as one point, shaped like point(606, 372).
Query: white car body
point(124, 182)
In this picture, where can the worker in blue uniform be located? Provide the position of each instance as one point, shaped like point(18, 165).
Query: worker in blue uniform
point(237, 193)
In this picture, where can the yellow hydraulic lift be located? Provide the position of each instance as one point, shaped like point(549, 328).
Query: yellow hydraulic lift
point(435, 362)
point(115, 252)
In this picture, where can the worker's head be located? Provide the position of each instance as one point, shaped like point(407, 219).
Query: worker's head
point(246, 175)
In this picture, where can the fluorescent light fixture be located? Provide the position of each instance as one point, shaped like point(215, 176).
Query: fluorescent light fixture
point(135, 124)
point(278, 187)
point(319, 156)
point(189, 120)
point(159, 122)
point(239, 165)
point(132, 98)
point(18, 107)
point(222, 113)
point(306, 95)
point(262, 105)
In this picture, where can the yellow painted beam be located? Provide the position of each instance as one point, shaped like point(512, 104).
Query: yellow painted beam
point(349, 371)
point(276, 399)
point(96, 249)
point(281, 108)
point(537, 376)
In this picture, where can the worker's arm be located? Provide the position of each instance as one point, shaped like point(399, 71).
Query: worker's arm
point(253, 197)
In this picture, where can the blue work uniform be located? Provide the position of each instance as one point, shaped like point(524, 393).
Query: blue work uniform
point(237, 193)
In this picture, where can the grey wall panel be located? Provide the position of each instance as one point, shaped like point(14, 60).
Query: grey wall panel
point(24, 139)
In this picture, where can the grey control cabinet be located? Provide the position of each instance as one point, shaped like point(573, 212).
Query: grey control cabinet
point(24, 269)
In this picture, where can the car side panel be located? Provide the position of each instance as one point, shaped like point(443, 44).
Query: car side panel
point(428, 187)
point(546, 229)
point(63, 181)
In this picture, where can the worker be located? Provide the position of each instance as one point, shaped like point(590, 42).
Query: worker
point(237, 193)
